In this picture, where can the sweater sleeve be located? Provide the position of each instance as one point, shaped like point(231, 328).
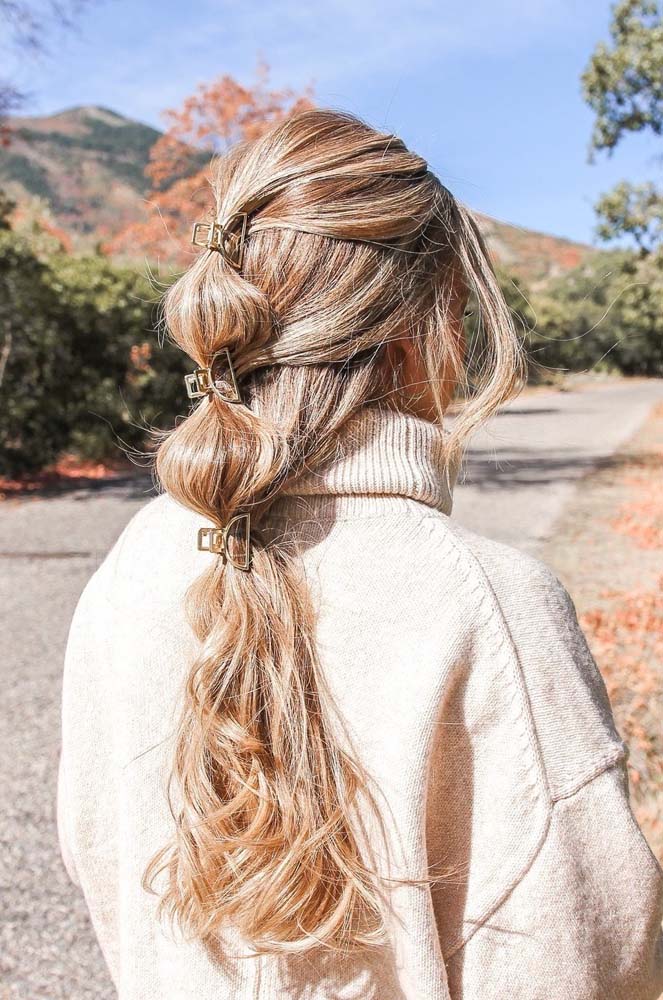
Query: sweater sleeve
point(78, 706)
point(581, 919)
point(80, 646)
point(85, 669)
point(88, 775)
point(584, 922)
point(63, 817)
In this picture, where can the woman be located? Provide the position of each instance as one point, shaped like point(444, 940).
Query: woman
point(370, 756)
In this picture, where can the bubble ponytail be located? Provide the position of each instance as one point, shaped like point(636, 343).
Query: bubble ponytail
point(348, 249)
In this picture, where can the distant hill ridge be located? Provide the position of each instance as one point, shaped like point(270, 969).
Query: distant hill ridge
point(88, 164)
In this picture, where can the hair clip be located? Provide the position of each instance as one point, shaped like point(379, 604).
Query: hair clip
point(206, 381)
point(220, 236)
point(215, 540)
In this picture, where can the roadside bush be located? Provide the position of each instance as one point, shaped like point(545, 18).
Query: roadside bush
point(35, 361)
point(126, 381)
point(605, 315)
point(81, 368)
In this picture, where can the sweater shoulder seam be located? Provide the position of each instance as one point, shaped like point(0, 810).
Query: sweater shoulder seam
point(602, 765)
point(476, 568)
point(505, 649)
point(480, 922)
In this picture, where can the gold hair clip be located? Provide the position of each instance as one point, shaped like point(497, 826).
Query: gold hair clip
point(206, 381)
point(215, 540)
point(223, 237)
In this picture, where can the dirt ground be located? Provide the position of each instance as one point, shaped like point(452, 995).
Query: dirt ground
point(608, 551)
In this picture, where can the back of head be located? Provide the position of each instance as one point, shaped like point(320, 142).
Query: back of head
point(351, 246)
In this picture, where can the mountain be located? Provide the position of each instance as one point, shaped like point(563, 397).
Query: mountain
point(534, 257)
point(88, 165)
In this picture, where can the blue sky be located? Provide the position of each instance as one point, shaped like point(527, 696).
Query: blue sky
point(487, 90)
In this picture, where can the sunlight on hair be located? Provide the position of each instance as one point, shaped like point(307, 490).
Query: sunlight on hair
point(353, 244)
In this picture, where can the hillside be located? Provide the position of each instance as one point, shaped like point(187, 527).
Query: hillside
point(534, 257)
point(88, 165)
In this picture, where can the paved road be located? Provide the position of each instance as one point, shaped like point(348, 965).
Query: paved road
point(525, 466)
point(521, 473)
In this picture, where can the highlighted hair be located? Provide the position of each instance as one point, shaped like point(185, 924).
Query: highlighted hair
point(353, 244)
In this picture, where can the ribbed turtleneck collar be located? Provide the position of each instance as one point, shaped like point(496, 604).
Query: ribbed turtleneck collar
point(385, 453)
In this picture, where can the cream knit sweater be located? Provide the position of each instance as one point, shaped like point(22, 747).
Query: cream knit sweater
point(468, 692)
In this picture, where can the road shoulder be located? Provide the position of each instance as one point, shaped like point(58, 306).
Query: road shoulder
point(607, 548)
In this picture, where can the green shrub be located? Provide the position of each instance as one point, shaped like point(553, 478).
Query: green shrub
point(605, 315)
point(126, 380)
point(84, 370)
point(35, 357)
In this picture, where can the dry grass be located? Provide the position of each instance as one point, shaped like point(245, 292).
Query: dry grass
point(608, 551)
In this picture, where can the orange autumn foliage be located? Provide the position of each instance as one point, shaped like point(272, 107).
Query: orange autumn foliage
point(626, 636)
point(642, 519)
point(215, 117)
point(625, 633)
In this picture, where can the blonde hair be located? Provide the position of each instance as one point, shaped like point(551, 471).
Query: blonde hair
point(353, 243)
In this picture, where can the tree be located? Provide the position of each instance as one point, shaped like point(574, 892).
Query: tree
point(623, 84)
point(633, 210)
point(33, 220)
point(603, 315)
point(7, 206)
point(215, 117)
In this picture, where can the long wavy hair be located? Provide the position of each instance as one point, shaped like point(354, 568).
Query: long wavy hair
point(353, 245)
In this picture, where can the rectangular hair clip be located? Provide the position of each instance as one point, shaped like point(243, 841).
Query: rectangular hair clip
point(227, 238)
point(215, 540)
point(219, 379)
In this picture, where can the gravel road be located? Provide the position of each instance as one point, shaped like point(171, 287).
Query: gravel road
point(522, 473)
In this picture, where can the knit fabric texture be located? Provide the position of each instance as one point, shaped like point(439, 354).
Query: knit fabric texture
point(467, 691)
